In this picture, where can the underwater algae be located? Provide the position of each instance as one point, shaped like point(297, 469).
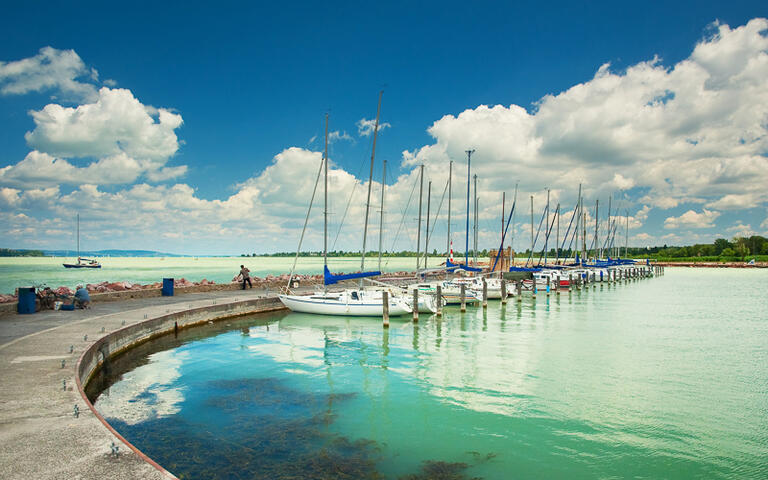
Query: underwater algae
point(273, 432)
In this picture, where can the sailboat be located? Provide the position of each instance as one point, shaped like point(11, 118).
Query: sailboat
point(81, 262)
point(348, 302)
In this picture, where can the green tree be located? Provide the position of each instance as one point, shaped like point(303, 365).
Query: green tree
point(720, 245)
point(728, 252)
point(740, 247)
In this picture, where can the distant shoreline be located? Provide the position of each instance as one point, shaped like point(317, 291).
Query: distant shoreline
point(712, 264)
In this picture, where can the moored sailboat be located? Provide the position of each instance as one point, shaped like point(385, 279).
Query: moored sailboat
point(348, 302)
point(81, 262)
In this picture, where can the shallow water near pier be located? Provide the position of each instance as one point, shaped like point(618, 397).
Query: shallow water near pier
point(663, 377)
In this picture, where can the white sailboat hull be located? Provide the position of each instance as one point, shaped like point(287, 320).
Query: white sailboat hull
point(343, 306)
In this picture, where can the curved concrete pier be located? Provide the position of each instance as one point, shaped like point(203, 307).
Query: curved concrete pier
point(47, 357)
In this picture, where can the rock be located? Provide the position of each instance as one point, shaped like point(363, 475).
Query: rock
point(8, 298)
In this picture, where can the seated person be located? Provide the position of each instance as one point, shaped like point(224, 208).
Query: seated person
point(82, 299)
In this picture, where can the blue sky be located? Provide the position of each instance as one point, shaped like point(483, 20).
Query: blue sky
point(247, 86)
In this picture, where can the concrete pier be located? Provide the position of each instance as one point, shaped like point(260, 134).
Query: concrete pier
point(48, 356)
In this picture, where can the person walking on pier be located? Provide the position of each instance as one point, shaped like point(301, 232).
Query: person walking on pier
point(246, 274)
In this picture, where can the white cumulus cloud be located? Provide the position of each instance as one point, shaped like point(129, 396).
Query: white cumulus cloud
point(127, 139)
point(50, 69)
point(688, 133)
point(692, 219)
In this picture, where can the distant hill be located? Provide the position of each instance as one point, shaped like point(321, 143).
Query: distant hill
point(109, 253)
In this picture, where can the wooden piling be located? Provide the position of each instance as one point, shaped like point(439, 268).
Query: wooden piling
point(519, 290)
point(415, 305)
point(385, 308)
point(548, 284)
point(570, 282)
point(439, 301)
point(463, 298)
point(503, 292)
point(557, 285)
point(485, 294)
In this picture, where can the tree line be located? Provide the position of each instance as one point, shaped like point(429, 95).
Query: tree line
point(721, 249)
point(9, 252)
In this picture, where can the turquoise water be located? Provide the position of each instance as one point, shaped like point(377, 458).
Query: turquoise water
point(26, 271)
point(660, 378)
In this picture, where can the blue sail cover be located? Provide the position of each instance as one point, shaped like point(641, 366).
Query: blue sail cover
point(524, 269)
point(330, 279)
point(450, 266)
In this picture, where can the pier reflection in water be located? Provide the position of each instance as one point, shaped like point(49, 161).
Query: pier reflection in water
point(655, 378)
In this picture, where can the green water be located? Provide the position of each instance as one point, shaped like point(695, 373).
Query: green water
point(26, 271)
point(659, 378)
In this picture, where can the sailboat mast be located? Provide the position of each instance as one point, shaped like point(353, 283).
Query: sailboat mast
point(370, 183)
point(381, 213)
point(475, 222)
point(448, 239)
point(503, 201)
point(557, 234)
point(418, 231)
point(514, 212)
point(78, 238)
point(583, 233)
point(546, 237)
point(466, 232)
point(578, 221)
point(626, 239)
point(325, 201)
point(609, 225)
point(531, 255)
point(426, 232)
point(597, 222)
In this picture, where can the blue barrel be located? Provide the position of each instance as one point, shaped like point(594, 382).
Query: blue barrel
point(26, 300)
point(167, 287)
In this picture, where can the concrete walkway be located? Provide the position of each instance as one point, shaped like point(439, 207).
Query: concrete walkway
point(40, 435)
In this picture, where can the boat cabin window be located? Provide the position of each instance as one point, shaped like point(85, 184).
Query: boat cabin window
point(354, 296)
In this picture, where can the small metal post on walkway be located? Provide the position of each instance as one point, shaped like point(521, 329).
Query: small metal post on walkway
point(385, 308)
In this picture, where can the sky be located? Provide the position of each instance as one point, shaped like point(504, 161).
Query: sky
point(198, 128)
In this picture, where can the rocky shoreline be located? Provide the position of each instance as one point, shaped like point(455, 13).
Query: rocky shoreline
point(105, 290)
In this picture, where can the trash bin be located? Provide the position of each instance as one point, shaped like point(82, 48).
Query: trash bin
point(167, 287)
point(26, 300)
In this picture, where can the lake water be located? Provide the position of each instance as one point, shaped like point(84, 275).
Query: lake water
point(659, 378)
point(27, 271)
